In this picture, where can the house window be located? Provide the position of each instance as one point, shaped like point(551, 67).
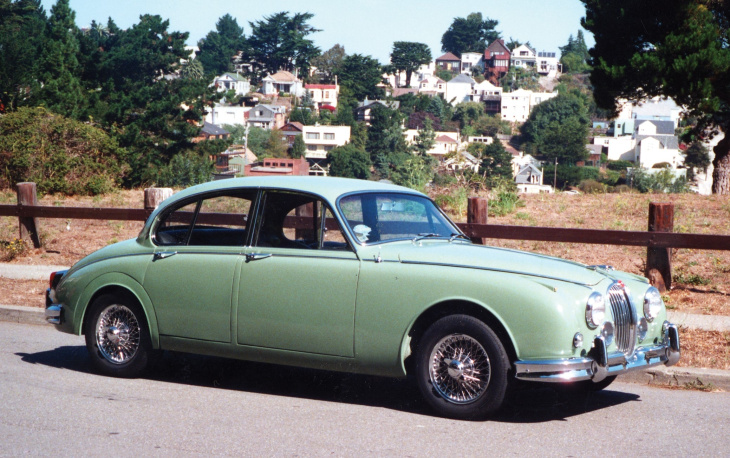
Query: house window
point(328, 147)
point(329, 136)
point(312, 135)
point(326, 94)
point(311, 147)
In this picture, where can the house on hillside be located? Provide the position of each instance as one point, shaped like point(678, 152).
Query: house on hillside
point(282, 82)
point(222, 114)
point(323, 94)
point(496, 61)
point(523, 56)
point(488, 94)
point(232, 82)
point(211, 132)
point(364, 108)
point(278, 167)
point(320, 140)
point(472, 60)
point(517, 105)
point(267, 116)
point(656, 144)
point(548, 64)
point(234, 160)
point(462, 160)
point(529, 181)
point(460, 89)
point(449, 62)
point(445, 143)
point(432, 85)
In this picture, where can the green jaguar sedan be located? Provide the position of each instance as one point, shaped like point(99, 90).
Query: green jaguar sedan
point(357, 276)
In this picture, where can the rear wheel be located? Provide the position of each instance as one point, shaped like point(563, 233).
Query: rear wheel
point(117, 336)
point(461, 368)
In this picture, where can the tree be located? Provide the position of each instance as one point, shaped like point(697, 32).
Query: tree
point(361, 75)
point(22, 29)
point(59, 87)
point(496, 163)
point(218, 47)
point(407, 56)
point(558, 128)
point(467, 113)
point(349, 161)
point(470, 34)
point(386, 142)
point(425, 139)
point(696, 157)
point(521, 78)
point(280, 42)
point(679, 50)
point(328, 62)
point(574, 55)
point(298, 149)
point(275, 145)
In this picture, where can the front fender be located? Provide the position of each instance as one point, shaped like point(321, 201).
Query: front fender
point(119, 280)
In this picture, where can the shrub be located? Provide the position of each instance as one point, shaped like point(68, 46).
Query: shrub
point(592, 187)
point(58, 154)
point(185, 169)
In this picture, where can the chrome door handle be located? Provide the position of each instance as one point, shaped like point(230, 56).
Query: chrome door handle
point(162, 255)
point(257, 256)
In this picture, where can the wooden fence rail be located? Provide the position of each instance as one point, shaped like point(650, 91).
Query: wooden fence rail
point(657, 239)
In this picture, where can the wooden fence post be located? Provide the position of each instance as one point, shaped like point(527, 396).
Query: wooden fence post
point(153, 197)
point(28, 225)
point(476, 213)
point(659, 260)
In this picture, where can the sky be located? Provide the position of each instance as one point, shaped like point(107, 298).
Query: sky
point(367, 27)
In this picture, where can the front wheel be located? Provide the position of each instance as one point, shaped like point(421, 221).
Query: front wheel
point(462, 367)
point(117, 336)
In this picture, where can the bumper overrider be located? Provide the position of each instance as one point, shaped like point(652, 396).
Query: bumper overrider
point(54, 311)
point(599, 364)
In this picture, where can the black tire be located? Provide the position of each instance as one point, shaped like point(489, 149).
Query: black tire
point(462, 368)
point(117, 336)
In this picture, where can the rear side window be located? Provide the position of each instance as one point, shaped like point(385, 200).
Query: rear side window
point(216, 220)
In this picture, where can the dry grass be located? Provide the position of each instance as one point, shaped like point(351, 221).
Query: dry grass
point(710, 349)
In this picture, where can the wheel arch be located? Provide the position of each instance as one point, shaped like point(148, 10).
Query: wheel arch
point(118, 284)
point(453, 307)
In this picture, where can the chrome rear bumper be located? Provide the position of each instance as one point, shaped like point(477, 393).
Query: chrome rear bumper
point(600, 364)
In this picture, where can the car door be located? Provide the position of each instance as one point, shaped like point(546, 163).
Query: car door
point(198, 256)
point(297, 287)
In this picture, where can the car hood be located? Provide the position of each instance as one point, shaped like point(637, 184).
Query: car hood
point(466, 255)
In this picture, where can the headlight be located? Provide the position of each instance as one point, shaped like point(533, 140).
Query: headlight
point(652, 303)
point(595, 310)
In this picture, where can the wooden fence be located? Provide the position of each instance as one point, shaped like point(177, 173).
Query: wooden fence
point(658, 239)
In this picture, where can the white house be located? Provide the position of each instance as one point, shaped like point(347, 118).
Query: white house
point(323, 94)
point(224, 114)
point(517, 105)
point(472, 59)
point(445, 143)
point(282, 81)
point(232, 81)
point(548, 64)
point(319, 140)
point(523, 56)
point(432, 85)
point(529, 180)
point(653, 143)
point(460, 89)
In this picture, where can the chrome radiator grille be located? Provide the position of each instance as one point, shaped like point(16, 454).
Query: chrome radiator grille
point(624, 318)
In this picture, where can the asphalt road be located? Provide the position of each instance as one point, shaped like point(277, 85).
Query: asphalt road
point(51, 403)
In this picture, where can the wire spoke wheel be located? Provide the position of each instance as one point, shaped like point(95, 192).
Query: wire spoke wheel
point(459, 368)
point(118, 334)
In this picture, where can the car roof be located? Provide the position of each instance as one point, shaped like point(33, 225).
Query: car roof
point(328, 187)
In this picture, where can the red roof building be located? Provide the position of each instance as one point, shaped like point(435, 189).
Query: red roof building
point(496, 61)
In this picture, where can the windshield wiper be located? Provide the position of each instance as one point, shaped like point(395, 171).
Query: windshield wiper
point(458, 236)
point(424, 235)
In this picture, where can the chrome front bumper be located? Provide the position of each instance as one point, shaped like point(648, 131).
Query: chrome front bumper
point(599, 364)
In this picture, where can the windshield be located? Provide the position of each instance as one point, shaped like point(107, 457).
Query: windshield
point(379, 217)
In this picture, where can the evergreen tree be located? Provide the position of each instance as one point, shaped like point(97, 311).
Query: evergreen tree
point(298, 149)
point(219, 47)
point(275, 145)
point(59, 85)
point(349, 161)
point(696, 157)
point(558, 128)
point(386, 142)
point(470, 34)
point(328, 62)
point(361, 76)
point(426, 138)
point(22, 30)
point(408, 56)
point(496, 163)
point(677, 49)
point(280, 42)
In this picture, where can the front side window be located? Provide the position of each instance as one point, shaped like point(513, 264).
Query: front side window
point(215, 220)
point(380, 217)
point(293, 220)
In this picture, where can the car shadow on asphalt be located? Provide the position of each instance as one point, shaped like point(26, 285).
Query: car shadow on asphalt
point(527, 403)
